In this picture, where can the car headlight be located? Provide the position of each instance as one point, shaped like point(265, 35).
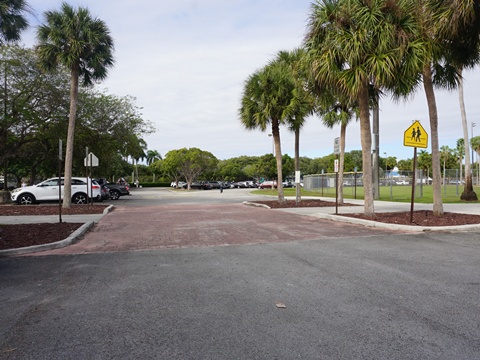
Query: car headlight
point(16, 190)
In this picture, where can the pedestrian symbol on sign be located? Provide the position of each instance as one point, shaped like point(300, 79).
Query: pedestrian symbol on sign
point(415, 136)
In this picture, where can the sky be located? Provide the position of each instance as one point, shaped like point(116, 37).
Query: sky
point(186, 62)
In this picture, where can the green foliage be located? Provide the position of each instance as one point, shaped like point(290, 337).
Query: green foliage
point(189, 163)
point(12, 20)
point(74, 39)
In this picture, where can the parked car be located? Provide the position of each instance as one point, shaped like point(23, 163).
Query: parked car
point(268, 185)
point(180, 184)
point(402, 182)
point(193, 186)
point(209, 185)
point(48, 191)
point(115, 190)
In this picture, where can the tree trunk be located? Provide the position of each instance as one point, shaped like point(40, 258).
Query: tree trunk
point(366, 138)
point(341, 164)
point(468, 194)
point(432, 112)
point(298, 195)
point(278, 156)
point(67, 197)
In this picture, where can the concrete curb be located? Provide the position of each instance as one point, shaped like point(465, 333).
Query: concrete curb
point(376, 224)
point(57, 244)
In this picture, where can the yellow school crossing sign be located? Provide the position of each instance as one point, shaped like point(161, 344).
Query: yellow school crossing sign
point(415, 136)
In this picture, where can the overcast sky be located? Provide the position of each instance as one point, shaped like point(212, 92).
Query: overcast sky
point(186, 62)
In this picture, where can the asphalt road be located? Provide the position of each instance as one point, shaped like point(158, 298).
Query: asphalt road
point(401, 296)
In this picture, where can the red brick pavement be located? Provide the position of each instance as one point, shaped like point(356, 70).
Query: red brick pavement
point(179, 226)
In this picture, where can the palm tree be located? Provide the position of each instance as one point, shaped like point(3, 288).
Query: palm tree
point(152, 156)
point(475, 144)
point(74, 39)
point(347, 57)
point(460, 153)
point(268, 99)
point(445, 153)
point(12, 19)
point(303, 103)
point(341, 114)
point(459, 26)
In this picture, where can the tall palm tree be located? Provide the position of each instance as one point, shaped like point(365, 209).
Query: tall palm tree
point(12, 19)
point(74, 39)
point(341, 114)
point(445, 153)
point(459, 29)
point(460, 153)
point(353, 44)
point(268, 99)
point(303, 102)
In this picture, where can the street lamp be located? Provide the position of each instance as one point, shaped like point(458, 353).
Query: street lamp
point(273, 145)
point(471, 161)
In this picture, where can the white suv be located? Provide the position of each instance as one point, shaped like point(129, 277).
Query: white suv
point(48, 191)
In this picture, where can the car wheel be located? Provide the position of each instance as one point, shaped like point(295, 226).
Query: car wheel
point(114, 194)
point(80, 199)
point(26, 199)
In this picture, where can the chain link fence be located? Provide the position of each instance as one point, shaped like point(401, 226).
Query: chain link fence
point(394, 184)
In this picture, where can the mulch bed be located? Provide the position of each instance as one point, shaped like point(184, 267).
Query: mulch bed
point(421, 218)
point(49, 209)
point(23, 235)
point(274, 204)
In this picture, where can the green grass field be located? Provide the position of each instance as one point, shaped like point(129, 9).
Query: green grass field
point(423, 194)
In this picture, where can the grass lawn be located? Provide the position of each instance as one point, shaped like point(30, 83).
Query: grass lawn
point(399, 193)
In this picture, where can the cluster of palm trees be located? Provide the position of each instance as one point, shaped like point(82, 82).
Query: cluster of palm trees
point(356, 51)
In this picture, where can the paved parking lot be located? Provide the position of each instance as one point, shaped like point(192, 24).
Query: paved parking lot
point(155, 281)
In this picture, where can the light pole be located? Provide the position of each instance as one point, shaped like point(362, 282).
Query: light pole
point(273, 145)
point(472, 162)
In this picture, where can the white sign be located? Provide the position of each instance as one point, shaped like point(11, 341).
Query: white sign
point(297, 177)
point(90, 160)
point(336, 165)
point(336, 146)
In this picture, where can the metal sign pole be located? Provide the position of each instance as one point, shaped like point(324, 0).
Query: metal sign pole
point(91, 182)
point(60, 156)
point(413, 183)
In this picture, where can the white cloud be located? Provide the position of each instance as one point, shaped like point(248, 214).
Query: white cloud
point(186, 61)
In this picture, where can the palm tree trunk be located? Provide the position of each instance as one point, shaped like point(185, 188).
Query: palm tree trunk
point(278, 156)
point(343, 131)
point(432, 112)
point(67, 197)
point(298, 196)
point(468, 194)
point(366, 139)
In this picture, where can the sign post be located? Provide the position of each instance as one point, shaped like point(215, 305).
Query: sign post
point(90, 161)
point(415, 136)
point(60, 158)
point(336, 151)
